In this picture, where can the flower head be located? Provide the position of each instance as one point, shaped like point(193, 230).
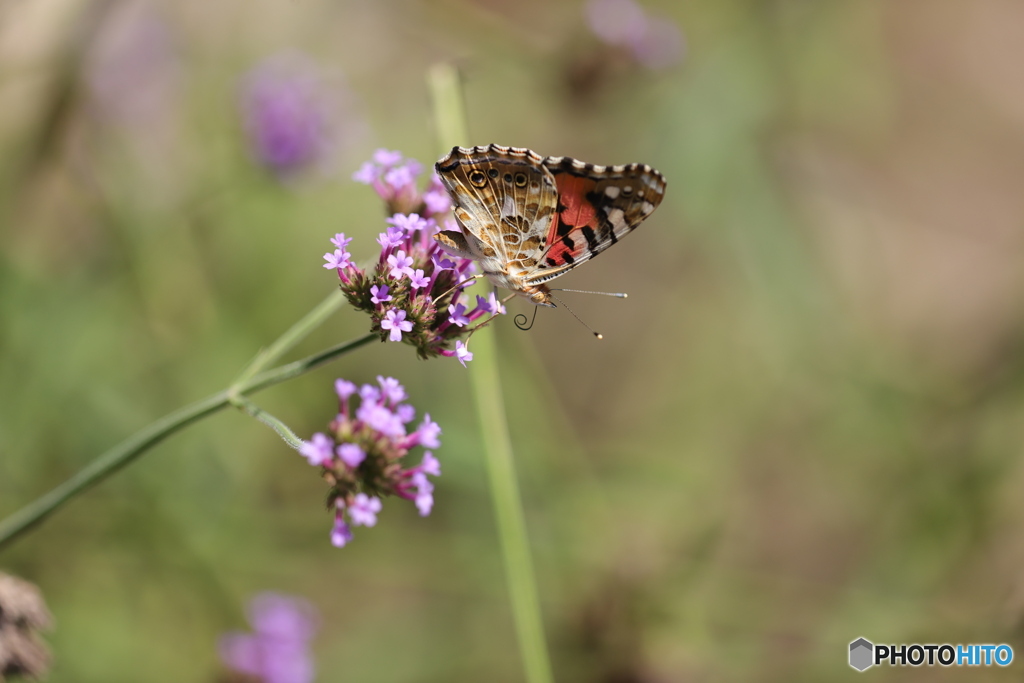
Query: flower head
point(368, 445)
point(414, 293)
point(277, 650)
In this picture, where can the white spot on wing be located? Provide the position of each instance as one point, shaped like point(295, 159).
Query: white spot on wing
point(617, 219)
point(509, 207)
point(611, 192)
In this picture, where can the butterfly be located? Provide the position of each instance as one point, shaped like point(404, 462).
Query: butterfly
point(528, 219)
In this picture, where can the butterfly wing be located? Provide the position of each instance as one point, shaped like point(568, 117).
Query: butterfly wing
point(597, 206)
point(505, 200)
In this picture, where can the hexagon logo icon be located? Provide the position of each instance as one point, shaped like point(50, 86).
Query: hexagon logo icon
point(861, 654)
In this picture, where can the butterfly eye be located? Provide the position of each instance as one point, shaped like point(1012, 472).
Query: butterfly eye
point(477, 178)
point(520, 180)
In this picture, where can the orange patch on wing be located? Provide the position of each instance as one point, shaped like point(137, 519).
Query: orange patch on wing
point(572, 194)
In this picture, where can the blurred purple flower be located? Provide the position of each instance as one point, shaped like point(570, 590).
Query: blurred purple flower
point(654, 42)
point(277, 651)
point(371, 444)
point(291, 116)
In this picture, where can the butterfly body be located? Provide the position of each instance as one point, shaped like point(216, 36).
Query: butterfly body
point(527, 219)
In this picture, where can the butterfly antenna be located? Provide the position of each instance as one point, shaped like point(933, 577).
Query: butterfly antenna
point(521, 324)
point(617, 295)
point(596, 333)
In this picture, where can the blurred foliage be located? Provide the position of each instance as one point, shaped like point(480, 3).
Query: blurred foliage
point(803, 426)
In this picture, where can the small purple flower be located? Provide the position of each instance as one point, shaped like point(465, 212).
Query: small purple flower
point(494, 305)
point(458, 315)
point(393, 237)
point(369, 393)
point(430, 465)
point(379, 295)
point(344, 388)
point(351, 454)
point(442, 263)
point(341, 534)
point(463, 353)
point(395, 321)
point(340, 241)
point(339, 259)
point(392, 389)
point(406, 413)
point(363, 510)
point(317, 451)
point(418, 279)
point(410, 223)
point(277, 651)
point(424, 493)
point(400, 264)
point(428, 432)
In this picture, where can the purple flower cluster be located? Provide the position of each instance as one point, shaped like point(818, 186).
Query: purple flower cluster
point(362, 454)
point(414, 292)
point(393, 178)
point(288, 115)
point(277, 651)
point(651, 41)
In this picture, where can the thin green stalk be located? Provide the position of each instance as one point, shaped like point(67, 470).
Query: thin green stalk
point(253, 410)
point(134, 446)
point(289, 339)
point(486, 383)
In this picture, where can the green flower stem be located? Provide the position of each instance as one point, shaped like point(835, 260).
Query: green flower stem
point(253, 410)
point(289, 339)
point(131, 448)
point(486, 383)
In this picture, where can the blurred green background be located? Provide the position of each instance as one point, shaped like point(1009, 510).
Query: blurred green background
point(805, 425)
